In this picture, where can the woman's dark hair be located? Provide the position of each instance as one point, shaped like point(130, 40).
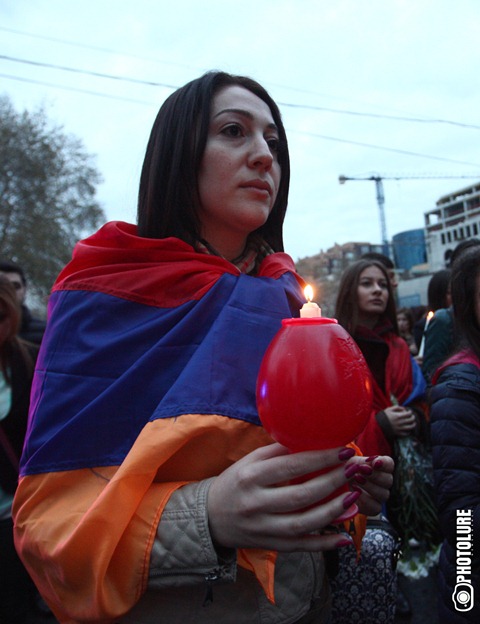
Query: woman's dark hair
point(465, 273)
point(438, 289)
point(346, 309)
point(168, 199)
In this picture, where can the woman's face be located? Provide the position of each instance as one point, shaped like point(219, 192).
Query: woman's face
point(372, 293)
point(239, 174)
point(403, 324)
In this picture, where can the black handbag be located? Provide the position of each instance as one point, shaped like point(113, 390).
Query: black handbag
point(365, 590)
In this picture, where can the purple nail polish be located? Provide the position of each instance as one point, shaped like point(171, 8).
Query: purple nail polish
point(350, 499)
point(344, 542)
point(347, 515)
point(378, 464)
point(346, 453)
point(365, 469)
point(350, 470)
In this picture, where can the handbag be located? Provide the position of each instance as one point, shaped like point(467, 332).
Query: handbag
point(364, 590)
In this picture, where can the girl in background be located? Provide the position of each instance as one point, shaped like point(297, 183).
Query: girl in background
point(405, 328)
point(366, 309)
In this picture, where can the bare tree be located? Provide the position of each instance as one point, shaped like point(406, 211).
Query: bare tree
point(47, 194)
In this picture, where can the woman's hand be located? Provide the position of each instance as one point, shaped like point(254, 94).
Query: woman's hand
point(373, 478)
point(254, 504)
point(402, 419)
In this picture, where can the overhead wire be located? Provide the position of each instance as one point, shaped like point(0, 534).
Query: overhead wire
point(171, 86)
point(151, 83)
point(176, 64)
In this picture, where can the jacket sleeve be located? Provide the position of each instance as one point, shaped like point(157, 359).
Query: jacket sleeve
point(183, 552)
point(455, 435)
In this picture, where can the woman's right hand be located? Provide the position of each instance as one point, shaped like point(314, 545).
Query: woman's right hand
point(402, 419)
point(253, 503)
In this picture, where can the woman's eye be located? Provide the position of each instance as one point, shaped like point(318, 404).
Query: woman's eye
point(273, 144)
point(232, 130)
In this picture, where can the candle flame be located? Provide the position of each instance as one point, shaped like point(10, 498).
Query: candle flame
point(308, 291)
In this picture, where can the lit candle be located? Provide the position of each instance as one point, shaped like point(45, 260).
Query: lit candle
point(310, 309)
point(422, 344)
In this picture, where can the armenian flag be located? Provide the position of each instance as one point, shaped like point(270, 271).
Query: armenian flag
point(145, 381)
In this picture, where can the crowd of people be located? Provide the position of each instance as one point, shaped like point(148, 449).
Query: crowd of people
point(147, 489)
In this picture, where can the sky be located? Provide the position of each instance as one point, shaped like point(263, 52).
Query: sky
point(366, 88)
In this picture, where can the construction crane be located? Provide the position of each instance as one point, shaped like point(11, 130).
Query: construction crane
point(377, 178)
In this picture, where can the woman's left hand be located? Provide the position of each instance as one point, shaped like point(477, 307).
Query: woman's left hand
point(373, 476)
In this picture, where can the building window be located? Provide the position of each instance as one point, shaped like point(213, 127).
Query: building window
point(475, 229)
point(443, 239)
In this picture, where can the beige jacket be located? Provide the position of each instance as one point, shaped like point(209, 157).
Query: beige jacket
point(193, 583)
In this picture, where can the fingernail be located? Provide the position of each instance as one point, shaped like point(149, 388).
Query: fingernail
point(350, 470)
point(360, 479)
point(345, 454)
point(344, 542)
point(347, 515)
point(365, 469)
point(378, 464)
point(350, 499)
point(371, 458)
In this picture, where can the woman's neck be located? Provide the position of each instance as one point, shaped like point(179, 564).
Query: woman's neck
point(368, 321)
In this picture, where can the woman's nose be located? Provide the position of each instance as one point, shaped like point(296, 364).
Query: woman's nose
point(260, 154)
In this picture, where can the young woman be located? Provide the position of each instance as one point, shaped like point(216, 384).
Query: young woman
point(365, 307)
point(397, 426)
point(17, 360)
point(149, 490)
point(455, 430)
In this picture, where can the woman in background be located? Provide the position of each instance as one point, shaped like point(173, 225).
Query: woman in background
point(366, 309)
point(17, 359)
point(397, 425)
point(455, 431)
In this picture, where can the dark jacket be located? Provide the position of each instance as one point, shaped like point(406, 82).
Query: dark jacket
point(14, 425)
point(32, 328)
point(455, 432)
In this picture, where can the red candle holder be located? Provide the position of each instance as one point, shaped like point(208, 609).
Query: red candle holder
point(313, 387)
